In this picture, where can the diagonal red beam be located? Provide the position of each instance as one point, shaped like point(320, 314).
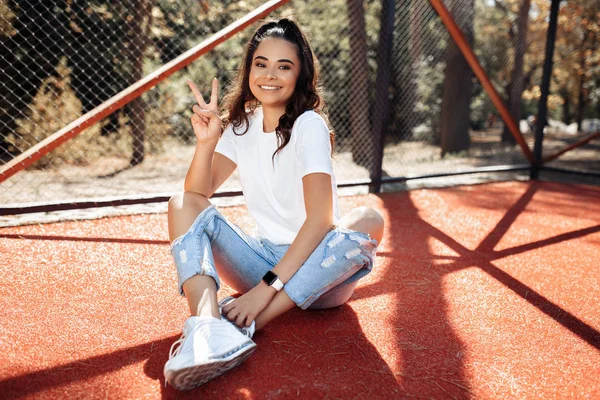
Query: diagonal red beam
point(571, 147)
point(134, 91)
point(463, 45)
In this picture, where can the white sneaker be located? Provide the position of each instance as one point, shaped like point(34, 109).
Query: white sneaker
point(207, 348)
point(246, 330)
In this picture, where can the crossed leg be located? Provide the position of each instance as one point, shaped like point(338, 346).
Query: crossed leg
point(361, 219)
point(200, 291)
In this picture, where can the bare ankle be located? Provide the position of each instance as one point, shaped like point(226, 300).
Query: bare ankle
point(208, 305)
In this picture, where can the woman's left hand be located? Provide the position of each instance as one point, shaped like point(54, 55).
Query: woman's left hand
point(243, 310)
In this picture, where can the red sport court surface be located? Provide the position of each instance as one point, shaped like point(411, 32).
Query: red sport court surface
point(488, 291)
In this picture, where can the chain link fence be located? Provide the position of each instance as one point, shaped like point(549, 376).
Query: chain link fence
point(395, 83)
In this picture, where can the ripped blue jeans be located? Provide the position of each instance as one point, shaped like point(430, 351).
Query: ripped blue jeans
point(215, 247)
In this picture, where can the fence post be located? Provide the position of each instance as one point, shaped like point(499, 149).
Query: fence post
point(382, 97)
point(545, 88)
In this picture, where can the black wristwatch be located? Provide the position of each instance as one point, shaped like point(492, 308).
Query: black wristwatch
point(271, 279)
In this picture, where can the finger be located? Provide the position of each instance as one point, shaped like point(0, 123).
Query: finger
point(232, 314)
point(239, 321)
point(205, 113)
point(228, 307)
point(196, 119)
point(214, 94)
point(197, 94)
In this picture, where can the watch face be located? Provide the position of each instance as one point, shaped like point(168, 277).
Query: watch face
point(270, 278)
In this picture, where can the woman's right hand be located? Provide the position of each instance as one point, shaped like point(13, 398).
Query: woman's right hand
point(205, 119)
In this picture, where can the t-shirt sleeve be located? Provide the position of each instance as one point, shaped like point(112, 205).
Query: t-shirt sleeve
point(313, 147)
point(226, 144)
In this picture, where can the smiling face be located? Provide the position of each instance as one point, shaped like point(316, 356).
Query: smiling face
point(274, 72)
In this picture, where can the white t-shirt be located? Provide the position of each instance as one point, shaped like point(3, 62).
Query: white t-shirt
point(273, 192)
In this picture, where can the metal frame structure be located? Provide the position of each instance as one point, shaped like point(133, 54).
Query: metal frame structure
point(535, 158)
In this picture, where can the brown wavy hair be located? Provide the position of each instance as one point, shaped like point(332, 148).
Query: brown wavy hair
point(239, 101)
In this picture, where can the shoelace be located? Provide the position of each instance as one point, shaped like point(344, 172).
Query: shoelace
point(246, 330)
point(178, 349)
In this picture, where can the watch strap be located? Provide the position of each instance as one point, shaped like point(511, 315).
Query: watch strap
point(277, 285)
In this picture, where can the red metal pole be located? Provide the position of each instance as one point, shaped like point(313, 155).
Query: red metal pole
point(471, 58)
point(134, 91)
point(571, 147)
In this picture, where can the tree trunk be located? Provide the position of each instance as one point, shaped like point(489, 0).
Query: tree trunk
point(417, 24)
point(582, 95)
point(517, 79)
point(581, 100)
point(140, 30)
point(566, 117)
point(458, 84)
point(363, 144)
point(407, 47)
point(598, 101)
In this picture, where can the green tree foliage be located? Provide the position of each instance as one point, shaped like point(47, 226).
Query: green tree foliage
point(577, 61)
point(95, 38)
point(90, 45)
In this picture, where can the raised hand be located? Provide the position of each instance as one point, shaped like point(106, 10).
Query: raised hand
point(205, 120)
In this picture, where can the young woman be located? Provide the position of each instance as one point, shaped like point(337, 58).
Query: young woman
point(303, 254)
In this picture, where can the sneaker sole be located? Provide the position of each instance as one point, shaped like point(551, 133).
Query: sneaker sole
point(189, 378)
